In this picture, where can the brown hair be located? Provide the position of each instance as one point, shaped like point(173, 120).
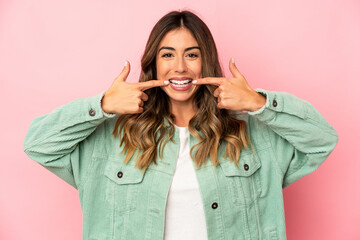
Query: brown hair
point(147, 133)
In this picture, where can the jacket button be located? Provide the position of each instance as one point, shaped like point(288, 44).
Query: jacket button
point(274, 103)
point(92, 112)
point(120, 174)
point(246, 167)
point(214, 205)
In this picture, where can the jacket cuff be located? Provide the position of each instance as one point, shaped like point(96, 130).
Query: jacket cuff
point(277, 102)
point(107, 115)
point(95, 113)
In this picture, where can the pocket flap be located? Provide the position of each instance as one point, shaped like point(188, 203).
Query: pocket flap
point(122, 173)
point(249, 163)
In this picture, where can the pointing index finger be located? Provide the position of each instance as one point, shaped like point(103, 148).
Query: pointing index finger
point(208, 80)
point(151, 84)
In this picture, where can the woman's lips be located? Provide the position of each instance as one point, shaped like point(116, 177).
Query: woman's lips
point(180, 83)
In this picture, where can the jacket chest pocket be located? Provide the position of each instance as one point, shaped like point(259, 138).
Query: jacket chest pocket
point(123, 185)
point(243, 183)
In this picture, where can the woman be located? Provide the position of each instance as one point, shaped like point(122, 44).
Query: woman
point(185, 153)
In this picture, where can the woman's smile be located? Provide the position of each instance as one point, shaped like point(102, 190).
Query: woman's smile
point(180, 83)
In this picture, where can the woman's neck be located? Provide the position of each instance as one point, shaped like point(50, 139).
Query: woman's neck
point(183, 112)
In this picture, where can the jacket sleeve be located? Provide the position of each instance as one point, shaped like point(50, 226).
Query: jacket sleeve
point(302, 139)
point(60, 140)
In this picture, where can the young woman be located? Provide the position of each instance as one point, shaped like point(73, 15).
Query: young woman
point(185, 153)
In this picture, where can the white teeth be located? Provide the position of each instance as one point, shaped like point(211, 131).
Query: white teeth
point(180, 82)
point(180, 85)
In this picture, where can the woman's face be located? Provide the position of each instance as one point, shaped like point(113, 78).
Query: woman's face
point(178, 60)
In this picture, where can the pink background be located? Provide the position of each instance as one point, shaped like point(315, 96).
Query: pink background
point(52, 53)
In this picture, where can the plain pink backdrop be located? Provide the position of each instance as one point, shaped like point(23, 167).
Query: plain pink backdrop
point(52, 52)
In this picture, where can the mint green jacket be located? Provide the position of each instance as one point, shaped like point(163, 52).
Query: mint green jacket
point(290, 140)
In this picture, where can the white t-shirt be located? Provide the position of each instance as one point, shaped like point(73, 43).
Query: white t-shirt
point(184, 217)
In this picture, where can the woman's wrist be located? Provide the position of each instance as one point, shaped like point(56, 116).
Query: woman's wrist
point(258, 102)
point(104, 106)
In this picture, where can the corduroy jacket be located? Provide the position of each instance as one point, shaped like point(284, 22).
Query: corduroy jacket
point(289, 137)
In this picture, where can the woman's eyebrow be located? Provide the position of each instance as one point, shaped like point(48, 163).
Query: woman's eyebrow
point(173, 49)
point(191, 48)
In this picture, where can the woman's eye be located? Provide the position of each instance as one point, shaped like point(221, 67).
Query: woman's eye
point(192, 55)
point(167, 55)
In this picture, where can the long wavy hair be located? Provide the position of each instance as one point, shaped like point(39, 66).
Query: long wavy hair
point(147, 133)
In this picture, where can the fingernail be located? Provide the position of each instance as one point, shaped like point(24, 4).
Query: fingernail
point(125, 63)
point(166, 82)
point(233, 60)
point(194, 81)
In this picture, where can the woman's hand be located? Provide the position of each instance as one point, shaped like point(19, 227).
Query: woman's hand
point(234, 93)
point(127, 98)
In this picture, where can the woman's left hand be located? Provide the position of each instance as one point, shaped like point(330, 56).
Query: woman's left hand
point(234, 93)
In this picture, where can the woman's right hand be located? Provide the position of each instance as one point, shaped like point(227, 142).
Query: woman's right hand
point(127, 98)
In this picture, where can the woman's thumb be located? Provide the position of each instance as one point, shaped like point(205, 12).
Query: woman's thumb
point(125, 72)
point(233, 69)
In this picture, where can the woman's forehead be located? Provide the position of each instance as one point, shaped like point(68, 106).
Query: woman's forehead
point(178, 38)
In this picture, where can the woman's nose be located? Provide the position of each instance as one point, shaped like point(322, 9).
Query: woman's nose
point(180, 65)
